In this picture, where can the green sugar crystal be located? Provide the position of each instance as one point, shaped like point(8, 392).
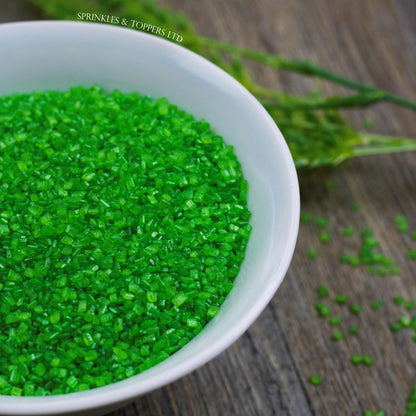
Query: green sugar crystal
point(315, 380)
point(123, 224)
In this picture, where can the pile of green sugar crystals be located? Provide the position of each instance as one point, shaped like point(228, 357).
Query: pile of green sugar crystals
point(123, 223)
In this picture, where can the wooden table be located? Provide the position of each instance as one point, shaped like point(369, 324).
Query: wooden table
point(266, 371)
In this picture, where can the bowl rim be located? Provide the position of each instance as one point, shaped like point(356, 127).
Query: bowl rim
point(118, 392)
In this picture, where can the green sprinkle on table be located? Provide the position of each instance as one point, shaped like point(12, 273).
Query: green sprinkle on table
point(368, 360)
point(315, 380)
point(312, 254)
point(402, 224)
point(396, 327)
point(341, 299)
point(377, 304)
point(355, 309)
point(322, 291)
point(337, 336)
point(357, 359)
point(305, 218)
point(398, 301)
point(321, 222)
point(410, 305)
point(353, 330)
point(349, 231)
point(324, 237)
point(322, 309)
point(335, 320)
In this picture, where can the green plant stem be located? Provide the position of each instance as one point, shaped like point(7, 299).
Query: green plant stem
point(264, 92)
point(353, 101)
point(291, 102)
point(301, 67)
point(376, 144)
point(316, 133)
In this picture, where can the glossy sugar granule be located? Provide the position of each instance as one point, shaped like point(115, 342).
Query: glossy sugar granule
point(123, 223)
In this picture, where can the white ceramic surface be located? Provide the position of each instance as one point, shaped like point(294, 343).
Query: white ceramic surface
point(58, 55)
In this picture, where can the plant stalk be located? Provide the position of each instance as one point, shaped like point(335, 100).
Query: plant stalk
point(373, 144)
point(301, 67)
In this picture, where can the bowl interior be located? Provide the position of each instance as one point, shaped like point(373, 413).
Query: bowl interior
point(58, 55)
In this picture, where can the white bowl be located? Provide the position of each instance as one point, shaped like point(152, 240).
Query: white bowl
point(58, 55)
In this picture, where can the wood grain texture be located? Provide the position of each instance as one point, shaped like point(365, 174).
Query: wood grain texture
point(265, 372)
point(17, 10)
